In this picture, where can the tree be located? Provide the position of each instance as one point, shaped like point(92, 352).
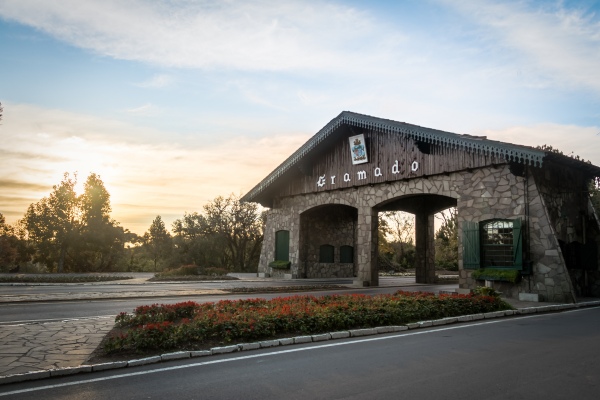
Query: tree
point(240, 225)
point(75, 233)
point(53, 225)
point(396, 232)
point(157, 241)
point(195, 243)
point(446, 241)
point(95, 201)
point(102, 240)
point(1, 111)
point(9, 251)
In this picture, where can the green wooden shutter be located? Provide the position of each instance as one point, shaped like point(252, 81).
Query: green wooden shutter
point(282, 246)
point(517, 244)
point(471, 245)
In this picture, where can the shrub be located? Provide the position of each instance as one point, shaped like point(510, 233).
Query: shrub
point(279, 264)
point(213, 271)
point(163, 327)
point(486, 291)
point(184, 270)
point(507, 275)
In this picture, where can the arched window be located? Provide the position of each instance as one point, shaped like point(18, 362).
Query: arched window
point(326, 252)
point(346, 254)
point(282, 246)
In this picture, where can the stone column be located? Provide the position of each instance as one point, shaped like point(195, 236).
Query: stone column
point(366, 246)
point(424, 248)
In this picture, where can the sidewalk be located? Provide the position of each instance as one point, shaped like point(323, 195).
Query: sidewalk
point(47, 346)
point(50, 345)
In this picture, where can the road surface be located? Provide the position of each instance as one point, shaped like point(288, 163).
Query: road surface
point(542, 356)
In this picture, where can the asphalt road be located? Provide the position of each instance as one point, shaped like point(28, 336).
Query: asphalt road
point(11, 313)
point(545, 356)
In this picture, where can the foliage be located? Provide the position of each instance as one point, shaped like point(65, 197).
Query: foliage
point(53, 224)
point(241, 226)
point(213, 271)
point(187, 270)
point(8, 244)
point(229, 234)
point(396, 247)
point(64, 232)
point(68, 232)
point(196, 244)
point(490, 274)
point(157, 241)
point(184, 270)
point(280, 264)
point(446, 241)
point(102, 239)
point(191, 324)
point(485, 291)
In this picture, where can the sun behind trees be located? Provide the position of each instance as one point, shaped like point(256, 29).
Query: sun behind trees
point(66, 232)
point(69, 233)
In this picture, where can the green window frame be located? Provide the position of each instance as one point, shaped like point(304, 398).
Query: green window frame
point(346, 254)
point(496, 243)
point(282, 245)
point(326, 253)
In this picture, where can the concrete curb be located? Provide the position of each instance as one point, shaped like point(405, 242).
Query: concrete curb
point(35, 375)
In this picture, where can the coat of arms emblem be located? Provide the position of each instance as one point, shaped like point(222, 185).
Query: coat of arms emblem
point(358, 149)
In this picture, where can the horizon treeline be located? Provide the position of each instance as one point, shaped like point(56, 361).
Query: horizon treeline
point(66, 232)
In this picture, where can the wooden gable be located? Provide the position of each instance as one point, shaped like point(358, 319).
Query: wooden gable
point(394, 151)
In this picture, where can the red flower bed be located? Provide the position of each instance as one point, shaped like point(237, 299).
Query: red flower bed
point(163, 327)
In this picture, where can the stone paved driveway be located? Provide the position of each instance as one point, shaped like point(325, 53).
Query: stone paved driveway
point(39, 347)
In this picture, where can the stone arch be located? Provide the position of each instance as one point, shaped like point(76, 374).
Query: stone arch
point(326, 225)
point(424, 207)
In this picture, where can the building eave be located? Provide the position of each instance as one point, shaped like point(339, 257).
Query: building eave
point(507, 151)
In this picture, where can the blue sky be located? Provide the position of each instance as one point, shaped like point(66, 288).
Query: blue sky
point(176, 102)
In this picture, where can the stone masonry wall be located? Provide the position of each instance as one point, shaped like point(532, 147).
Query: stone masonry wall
point(497, 193)
point(564, 192)
point(482, 194)
point(287, 213)
point(331, 225)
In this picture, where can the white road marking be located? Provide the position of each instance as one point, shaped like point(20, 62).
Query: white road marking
point(287, 351)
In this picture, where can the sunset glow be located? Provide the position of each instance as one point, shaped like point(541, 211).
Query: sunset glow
point(173, 104)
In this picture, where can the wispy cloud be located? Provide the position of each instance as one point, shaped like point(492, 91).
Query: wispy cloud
point(157, 81)
point(548, 39)
point(146, 109)
point(244, 35)
point(572, 140)
point(158, 177)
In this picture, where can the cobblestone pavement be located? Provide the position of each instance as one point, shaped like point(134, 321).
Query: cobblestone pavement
point(43, 346)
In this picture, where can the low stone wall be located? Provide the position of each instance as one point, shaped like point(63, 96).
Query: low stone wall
point(278, 273)
point(330, 270)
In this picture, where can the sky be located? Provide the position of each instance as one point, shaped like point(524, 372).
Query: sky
point(175, 102)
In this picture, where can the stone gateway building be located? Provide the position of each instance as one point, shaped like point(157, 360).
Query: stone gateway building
point(525, 220)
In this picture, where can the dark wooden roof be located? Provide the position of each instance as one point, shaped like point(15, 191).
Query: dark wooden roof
point(508, 151)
